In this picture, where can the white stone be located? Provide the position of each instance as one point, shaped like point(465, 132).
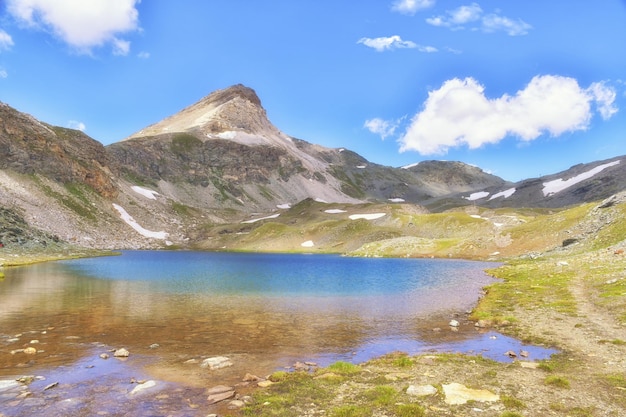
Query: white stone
point(216, 362)
point(421, 390)
point(7, 384)
point(142, 387)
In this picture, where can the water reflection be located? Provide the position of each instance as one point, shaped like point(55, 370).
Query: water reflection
point(265, 308)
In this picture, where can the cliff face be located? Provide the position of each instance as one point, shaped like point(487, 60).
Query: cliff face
point(28, 146)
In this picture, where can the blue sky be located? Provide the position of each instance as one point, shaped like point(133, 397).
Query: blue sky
point(518, 88)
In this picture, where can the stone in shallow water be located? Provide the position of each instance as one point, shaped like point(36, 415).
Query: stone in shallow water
point(121, 353)
point(142, 387)
point(8, 384)
point(216, 362)
point(460, 394)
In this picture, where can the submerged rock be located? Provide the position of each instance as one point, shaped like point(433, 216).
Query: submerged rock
point(216, 362)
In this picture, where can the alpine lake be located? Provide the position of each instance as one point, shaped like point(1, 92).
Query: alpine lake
point(171, 310)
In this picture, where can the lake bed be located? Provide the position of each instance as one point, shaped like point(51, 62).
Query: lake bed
point(171, 310)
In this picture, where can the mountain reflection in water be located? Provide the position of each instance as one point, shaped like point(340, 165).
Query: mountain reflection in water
point(265, 310)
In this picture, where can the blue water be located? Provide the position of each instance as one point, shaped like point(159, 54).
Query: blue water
point(278, 274)
point(266, 307)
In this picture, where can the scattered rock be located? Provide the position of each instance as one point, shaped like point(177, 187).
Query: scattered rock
point(459, 394)
point(121, 353)
point(7, 384)
point(30, 350)
point(234, 404)
point(511, 354)
point(454, 323)
point(220, 393)
point(50, 386)
point(154, 346)
point(104, 356)
point(265, 384)
point(216, 362)
point(140, 387)
point(524, 353)
point(251, 378)
point(421, 390)
point(481, 324)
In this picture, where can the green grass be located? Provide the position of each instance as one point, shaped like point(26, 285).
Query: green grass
point(344, 368)
point(557, 381)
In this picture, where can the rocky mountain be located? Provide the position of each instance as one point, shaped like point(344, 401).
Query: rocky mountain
point(221, 161)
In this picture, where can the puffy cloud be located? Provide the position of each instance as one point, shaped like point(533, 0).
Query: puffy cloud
point(381, 127)
point(458, 17)
point(81, 24)
point(391, 42)
point(605, 99)
point(494, 23)
point(459, 113)
point(74, 124)
point(410, 7)
point(463, 16)
point(3, 73)
point(6, 41)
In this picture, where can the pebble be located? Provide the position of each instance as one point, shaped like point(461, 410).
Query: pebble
point(121, 353)
point(454, 323)
point(30, 350)
point(142, 387)
point(216, 362)
point(421, 390)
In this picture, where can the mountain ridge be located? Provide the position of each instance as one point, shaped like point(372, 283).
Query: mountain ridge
point(221, 161)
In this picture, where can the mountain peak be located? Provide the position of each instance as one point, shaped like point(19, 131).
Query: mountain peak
point(233, 109)
point(233, 92)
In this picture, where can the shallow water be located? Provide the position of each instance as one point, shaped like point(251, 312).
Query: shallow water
point(262, 311)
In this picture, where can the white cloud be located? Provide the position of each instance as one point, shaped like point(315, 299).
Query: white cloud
point(3, 73)
point(381, 127)
point(120, 47)
point(143, 55)
point(74, 124)
point(81, 24)
point(427, 49)
point(459, 113)
point(458, 17)
point(410, 7)
point(383, 43)
point(6, 41)
point(494, 23)
point(472, 16)
point(605, 99)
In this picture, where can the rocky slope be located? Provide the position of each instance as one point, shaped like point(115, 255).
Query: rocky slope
point(221, 161)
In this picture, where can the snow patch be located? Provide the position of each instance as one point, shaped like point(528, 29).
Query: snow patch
point(273, 216)
point(369, 216)
point(477, 196)
point(396, 200)
point(307, 244)
point(410, 165)
point(151, 194)
point(229, 134)
point(506, 194)
point(553, 187)
point(361, 166)
point(285, 206)
point(319, 200)
point(334, 211)
point(133, 223)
